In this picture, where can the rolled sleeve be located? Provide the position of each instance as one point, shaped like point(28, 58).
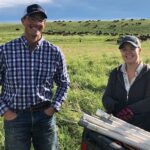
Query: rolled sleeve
point(62, 81)
point(3, 108)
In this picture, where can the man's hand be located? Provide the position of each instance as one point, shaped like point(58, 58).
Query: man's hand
point(50, 111)
point(10, 115)
point(125, 114)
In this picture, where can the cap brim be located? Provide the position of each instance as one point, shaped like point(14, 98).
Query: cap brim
point(44, 15)
point(132, 43)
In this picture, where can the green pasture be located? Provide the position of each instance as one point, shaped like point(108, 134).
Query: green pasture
point(98, 27)
point(90, 59)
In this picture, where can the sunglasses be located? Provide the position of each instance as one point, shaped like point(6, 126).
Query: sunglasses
point(36, 18)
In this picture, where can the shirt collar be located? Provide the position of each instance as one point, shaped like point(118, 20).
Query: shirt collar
point(138, 70)
point(26, 43)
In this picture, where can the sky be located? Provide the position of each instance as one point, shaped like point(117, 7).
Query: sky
point(13, 10)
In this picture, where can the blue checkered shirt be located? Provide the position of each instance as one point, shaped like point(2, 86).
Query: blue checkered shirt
point(27, 76)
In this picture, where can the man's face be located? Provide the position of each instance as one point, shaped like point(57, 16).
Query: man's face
point(34, 24)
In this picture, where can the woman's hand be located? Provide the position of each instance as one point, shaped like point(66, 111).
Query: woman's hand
point(125, 114)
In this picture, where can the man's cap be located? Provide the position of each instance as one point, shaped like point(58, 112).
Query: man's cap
point(35, 8)
point(133, 40)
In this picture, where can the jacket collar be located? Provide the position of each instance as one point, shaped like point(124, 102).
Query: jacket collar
point(137, 72)
point(144, 70)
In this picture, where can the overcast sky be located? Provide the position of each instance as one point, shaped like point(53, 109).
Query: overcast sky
point(13, 10)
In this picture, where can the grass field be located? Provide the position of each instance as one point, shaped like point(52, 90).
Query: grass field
point(89, 59)
point(130, 26)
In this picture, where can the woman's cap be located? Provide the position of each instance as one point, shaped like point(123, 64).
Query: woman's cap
point(35, 8)
point(133, 40)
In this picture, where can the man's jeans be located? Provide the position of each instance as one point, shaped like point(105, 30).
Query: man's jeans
point(27, 127)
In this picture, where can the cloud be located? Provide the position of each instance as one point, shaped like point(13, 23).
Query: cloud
point(12, 3)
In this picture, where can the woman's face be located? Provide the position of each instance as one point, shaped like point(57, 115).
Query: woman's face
point(130, 54)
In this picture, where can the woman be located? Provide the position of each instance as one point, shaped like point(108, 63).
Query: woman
point(127, 95)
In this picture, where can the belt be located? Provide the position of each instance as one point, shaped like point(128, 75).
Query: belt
point(33, 108)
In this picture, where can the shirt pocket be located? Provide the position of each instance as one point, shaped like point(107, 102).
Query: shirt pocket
point(44, 70)
point(14, 77)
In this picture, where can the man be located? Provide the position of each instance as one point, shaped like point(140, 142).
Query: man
point(28, 67)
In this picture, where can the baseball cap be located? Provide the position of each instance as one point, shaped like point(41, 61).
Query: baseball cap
point(133, 40)
point(35, 8)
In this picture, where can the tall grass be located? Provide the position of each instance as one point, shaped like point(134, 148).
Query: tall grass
point(90, 60)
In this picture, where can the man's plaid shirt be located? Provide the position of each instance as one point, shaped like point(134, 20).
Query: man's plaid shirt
point(27, 76)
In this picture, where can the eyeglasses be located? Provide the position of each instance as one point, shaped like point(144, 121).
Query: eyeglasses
point(36, 19)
